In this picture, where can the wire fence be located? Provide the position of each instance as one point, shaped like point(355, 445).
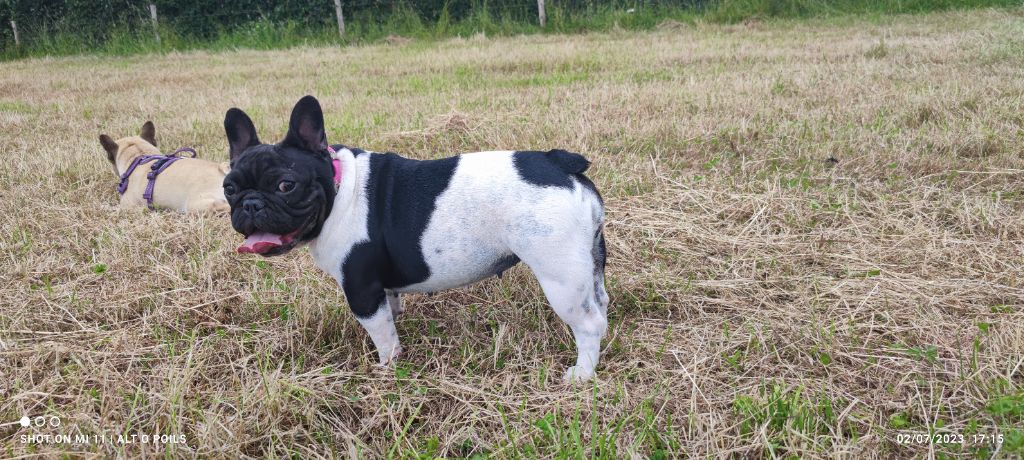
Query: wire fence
point(27, 23)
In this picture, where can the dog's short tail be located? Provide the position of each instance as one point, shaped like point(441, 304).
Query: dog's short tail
point(571, 163)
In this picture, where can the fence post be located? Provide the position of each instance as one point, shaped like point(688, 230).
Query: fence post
point(14, 28)
point(543, 15)
point(341, 18)
point(152, 17)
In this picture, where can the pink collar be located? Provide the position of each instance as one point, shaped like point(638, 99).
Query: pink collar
point(336, 162)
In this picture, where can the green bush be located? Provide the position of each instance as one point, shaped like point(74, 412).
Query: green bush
point(60, 27)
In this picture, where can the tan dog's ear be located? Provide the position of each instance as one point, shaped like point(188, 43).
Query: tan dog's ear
point(111, 147)
point(148, 133)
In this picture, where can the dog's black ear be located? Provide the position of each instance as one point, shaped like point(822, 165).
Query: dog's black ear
point(111, 147)
point(241, 132)
point(306, 127)
point(148, 133)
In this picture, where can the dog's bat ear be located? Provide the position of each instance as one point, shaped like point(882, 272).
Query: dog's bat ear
point(241, 132)
point(148, 132)
point(306, 127)
point(111, 147)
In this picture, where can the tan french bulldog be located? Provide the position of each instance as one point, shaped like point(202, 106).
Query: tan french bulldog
point(186, 185)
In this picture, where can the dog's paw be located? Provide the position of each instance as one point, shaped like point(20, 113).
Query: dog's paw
point(577, 374)
point(390, 358)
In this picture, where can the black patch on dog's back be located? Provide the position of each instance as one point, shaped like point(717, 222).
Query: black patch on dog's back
point(401, 194)
point(549, 169)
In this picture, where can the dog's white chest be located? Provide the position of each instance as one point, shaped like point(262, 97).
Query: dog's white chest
point(346, 226)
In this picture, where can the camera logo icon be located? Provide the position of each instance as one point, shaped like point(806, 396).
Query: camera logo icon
point(39, 421)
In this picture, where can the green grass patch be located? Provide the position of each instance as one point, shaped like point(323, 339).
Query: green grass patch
point(1009, 408)
point(15, 107)
point(740, 10)
point(788, 415)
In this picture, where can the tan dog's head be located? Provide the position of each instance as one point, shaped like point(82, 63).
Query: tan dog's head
point(121, 152)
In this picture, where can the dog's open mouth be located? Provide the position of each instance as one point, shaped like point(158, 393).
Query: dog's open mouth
point(263, 242)
point(273, 244)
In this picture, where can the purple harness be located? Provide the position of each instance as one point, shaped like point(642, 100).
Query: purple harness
point(162, 162)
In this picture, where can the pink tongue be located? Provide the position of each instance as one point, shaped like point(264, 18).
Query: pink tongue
point(259, 243)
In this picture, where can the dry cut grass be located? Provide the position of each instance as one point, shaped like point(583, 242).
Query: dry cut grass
point(815, 236)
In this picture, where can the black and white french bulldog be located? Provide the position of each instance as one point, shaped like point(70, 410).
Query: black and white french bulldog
point(383, 225)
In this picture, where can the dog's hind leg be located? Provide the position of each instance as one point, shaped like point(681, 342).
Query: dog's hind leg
point(573, 301)
point(600, 254)
point(567, 275)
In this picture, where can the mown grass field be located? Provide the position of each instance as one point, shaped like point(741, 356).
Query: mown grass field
point(814, 227)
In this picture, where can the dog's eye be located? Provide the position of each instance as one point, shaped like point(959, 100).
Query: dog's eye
point(286, 186)
point(229, 190)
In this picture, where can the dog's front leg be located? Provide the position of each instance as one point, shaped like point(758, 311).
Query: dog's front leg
point(373, 312)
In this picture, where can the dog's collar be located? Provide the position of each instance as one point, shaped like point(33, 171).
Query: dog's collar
point(336, 162)
point(162, 162)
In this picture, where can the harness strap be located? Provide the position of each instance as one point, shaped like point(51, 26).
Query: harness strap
point(161, 164)
point(123, 185)
point(158, 167)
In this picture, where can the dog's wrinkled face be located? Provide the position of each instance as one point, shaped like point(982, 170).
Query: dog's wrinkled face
point(279, 194)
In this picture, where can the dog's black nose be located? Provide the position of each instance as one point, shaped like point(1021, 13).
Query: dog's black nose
point(252, 205)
